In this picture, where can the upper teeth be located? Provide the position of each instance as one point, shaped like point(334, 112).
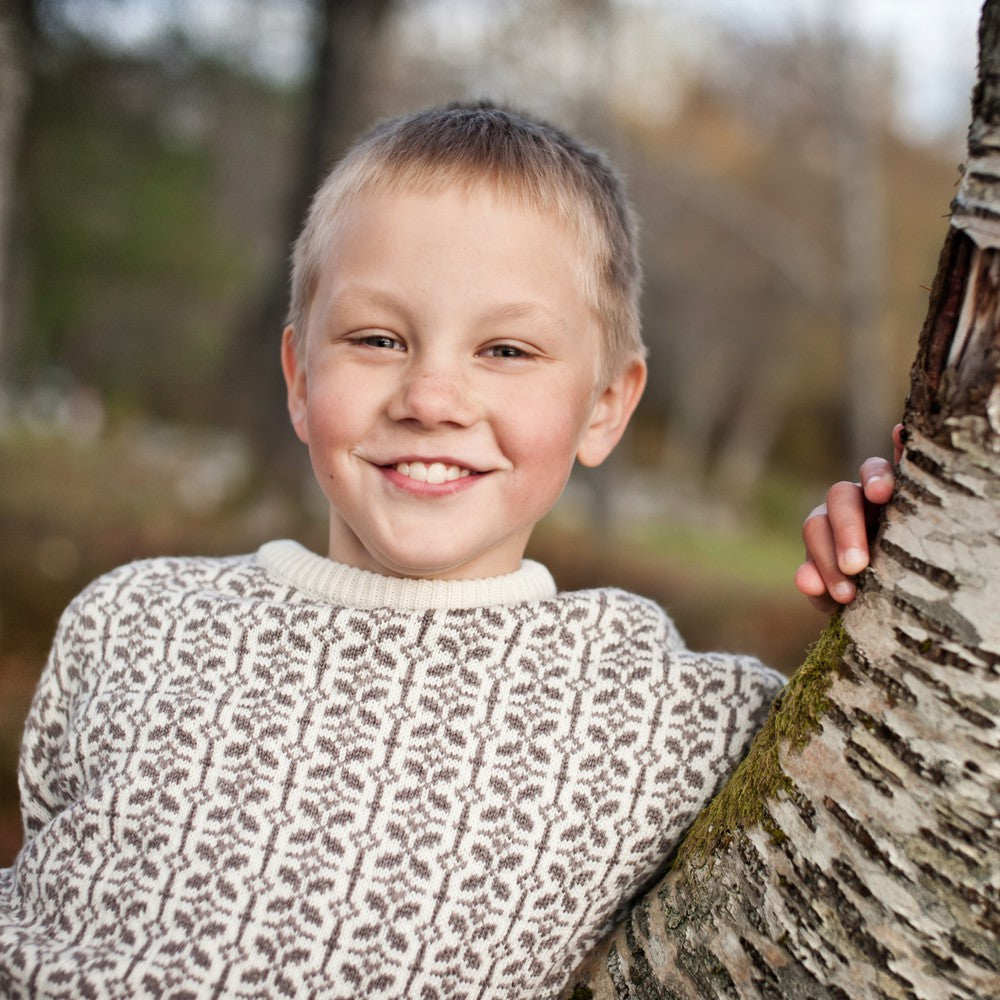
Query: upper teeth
point(436, 472)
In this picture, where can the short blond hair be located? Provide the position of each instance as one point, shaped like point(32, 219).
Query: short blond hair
point(521, 159)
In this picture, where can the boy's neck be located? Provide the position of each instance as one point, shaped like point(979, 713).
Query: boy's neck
point(349, 586)
point(347, 549)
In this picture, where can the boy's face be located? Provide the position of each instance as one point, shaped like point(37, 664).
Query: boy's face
point(447, 381)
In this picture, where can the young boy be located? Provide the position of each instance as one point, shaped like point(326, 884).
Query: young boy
point(410, 768)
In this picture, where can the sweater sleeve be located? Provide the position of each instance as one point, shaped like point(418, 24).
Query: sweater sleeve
point(48, 779)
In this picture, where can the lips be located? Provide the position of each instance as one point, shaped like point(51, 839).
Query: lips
point(432, 472)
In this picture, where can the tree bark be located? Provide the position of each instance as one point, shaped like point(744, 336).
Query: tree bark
point(855, 853)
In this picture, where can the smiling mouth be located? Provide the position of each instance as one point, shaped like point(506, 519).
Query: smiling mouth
point(434, 472)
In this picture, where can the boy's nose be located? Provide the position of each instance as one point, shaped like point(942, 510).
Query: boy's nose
point(432, 395)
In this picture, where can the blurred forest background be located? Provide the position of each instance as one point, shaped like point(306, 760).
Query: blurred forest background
point(792, 161)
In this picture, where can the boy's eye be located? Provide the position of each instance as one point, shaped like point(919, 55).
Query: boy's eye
point(504, 351)
point(381, 340)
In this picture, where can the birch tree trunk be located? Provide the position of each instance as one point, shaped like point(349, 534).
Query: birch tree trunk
point(856, 851)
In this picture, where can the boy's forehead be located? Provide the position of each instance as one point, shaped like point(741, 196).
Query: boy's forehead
point(385, 227)
point(348, 220)
point(416, 222)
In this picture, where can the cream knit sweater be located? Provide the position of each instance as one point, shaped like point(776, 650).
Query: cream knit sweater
point(274, 776)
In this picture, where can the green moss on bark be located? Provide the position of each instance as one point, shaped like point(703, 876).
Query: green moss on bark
point(794, 718)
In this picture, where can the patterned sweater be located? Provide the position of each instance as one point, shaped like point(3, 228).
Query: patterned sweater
point(273, 775)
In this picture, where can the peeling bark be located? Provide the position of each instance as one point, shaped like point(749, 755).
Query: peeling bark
point(856, 852)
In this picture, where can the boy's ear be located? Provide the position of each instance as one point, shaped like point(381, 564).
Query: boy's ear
point(611, 413)
point(295, 381)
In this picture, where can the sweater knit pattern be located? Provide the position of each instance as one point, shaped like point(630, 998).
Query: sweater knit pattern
point(237, 784)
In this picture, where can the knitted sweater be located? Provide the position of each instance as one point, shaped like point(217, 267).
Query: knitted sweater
point(273, 775)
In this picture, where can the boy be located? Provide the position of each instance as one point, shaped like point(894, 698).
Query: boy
point(411, 768)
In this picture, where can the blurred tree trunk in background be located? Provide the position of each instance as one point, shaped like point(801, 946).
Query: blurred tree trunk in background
point(345, 35)
point(17, 38)
point(851, 284)
point(856, 851)
point(742, 397)
point(860, 202)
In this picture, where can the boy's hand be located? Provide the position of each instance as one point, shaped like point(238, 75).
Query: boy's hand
point(836, 533)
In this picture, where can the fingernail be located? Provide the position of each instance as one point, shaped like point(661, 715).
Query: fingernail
point(854, 560)
point(843, 592)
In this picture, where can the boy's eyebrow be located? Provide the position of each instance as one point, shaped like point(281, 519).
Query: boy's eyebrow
point(364, 295)
point(503, 312)
point(518, 310)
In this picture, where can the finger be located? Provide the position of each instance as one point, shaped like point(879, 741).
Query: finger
point(817, 533)
point(810, 583)
point(848, 528)
point(877, 480)
point(897, 443)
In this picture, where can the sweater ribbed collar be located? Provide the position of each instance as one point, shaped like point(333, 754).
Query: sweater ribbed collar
point(345, 586)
